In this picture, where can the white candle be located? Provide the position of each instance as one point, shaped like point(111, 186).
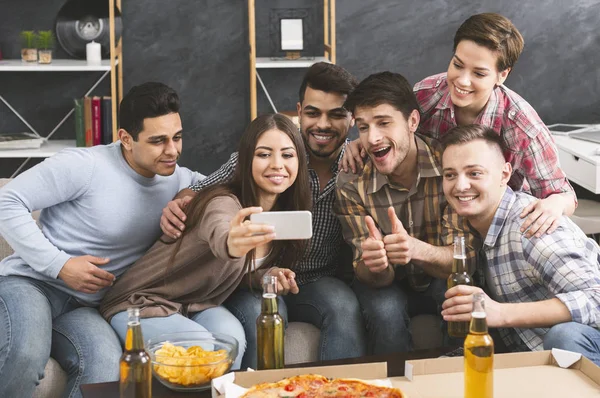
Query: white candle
point(92, 53)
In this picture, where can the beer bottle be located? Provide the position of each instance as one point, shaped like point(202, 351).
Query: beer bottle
point(135, 365)
point(479, 354)
point(269, 328)
point(459, 276)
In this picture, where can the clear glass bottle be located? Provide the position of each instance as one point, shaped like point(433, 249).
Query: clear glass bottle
point(270, 328)
point(135, 365)
point(479, 354)
point(459, 276)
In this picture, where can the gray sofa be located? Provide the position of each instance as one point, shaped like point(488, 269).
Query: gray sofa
point(301, 343)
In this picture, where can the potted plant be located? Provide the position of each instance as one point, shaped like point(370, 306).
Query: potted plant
point(28, 46)
point(45, 45)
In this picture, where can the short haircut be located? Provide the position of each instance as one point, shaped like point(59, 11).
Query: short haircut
point(460, 135)
point(383, 88)
point(327, 77)
point(147, 100)
point(497, 33)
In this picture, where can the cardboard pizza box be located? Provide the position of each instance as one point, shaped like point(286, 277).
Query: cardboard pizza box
point(547, 374)
point(365, 371)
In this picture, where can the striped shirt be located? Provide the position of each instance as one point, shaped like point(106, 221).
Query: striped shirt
point(530, 148)
point(563, 265)
point(321, 258)
point(422, 209)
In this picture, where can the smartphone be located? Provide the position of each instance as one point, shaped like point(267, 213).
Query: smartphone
point(288, 224)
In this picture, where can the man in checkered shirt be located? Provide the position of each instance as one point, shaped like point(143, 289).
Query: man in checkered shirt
point(323, 299)
point(542, 292)
point(394, 214)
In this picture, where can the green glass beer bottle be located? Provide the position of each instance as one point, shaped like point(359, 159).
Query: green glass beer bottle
point(270, 328)
point(135, 365)
point(459, 276)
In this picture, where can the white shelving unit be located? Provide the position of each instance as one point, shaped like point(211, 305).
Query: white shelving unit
point(266, 63)
point(112, 67)
point(57, 65)
point(270, 63)
point(47, 149)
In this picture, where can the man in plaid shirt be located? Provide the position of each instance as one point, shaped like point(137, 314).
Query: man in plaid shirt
point(394, 214)
point(323, 299)
point(542, 293)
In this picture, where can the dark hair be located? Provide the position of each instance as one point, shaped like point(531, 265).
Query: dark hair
point(460, 135)
point(383, 88)
point(497, 33)
point(296, 197)
point(327, 77)
point(147, 100)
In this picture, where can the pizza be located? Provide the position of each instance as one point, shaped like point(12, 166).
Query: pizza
point(309, 386)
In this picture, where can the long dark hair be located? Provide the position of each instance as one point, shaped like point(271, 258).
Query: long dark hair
point(297, 197)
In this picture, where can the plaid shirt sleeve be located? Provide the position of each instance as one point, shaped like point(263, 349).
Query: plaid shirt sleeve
point(352, 218)
point(567, 262)
point(539, 163)
point(224, 174)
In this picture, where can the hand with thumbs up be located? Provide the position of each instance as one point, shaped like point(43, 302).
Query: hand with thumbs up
point(399, 244)
point(373, 250)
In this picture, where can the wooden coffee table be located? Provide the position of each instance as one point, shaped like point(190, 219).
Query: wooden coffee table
point(395, 367)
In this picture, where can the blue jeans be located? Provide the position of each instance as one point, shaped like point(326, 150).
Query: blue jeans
point(327, 303)
point(215, 319)
point(387, 312)
point(576, 337)
point(38, 320)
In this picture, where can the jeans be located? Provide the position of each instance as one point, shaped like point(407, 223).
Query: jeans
point(328, 303)
point(387, 312)
point(38, 320)
point(576, 337)
point(215, 319)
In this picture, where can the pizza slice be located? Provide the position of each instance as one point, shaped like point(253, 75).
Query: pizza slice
point(352, 388)
point(304, 386)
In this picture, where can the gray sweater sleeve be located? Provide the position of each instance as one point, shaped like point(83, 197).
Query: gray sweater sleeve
point(63, 177)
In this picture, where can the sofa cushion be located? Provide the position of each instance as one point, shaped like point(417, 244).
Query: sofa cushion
point(54, 382)
point(301, 343)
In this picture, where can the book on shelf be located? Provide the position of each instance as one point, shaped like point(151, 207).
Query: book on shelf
point(20, 141)
point(96, 121)
point(87, 121)
point(93, 121)
point(79, 124)
point(107, 129)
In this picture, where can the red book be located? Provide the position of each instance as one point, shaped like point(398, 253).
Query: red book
point(87, 119)
point(96, 121)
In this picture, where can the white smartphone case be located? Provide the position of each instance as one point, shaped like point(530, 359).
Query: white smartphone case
point(289, 225)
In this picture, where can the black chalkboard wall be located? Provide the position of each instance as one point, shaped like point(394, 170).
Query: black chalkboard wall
point(200, 48)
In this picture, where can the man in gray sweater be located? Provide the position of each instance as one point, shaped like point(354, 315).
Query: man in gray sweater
point(101, 208)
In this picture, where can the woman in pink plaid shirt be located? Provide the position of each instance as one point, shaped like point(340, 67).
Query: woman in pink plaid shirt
point(486, 47)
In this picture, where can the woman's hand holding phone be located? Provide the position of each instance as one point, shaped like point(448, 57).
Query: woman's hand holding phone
point(245, 236)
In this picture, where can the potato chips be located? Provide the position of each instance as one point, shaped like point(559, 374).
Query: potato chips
point(191, 366)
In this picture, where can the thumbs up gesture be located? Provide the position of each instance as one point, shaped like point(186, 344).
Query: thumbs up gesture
point(374, 255)
point(398, 245)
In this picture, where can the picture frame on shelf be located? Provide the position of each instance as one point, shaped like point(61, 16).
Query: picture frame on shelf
point(291, 33)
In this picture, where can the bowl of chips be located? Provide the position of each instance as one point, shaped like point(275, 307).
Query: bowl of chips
point(188, 361)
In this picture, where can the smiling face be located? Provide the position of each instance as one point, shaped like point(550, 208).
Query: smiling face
point(274, 166)
point(324, 122)
point(475, 178)
point(157, 148)
point(472, 75)
point(386, 135)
